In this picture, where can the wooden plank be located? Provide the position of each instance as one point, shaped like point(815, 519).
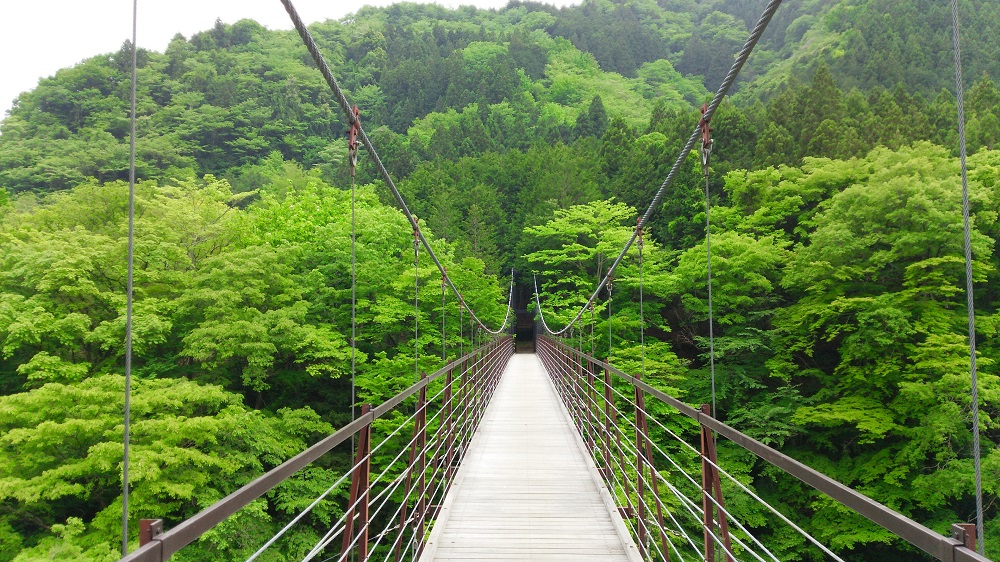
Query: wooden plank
point(526, 490)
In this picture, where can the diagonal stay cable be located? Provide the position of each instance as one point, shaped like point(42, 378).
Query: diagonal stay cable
point(618, 483)
point(690, 505)
point(741, 59)
point(393, 484)
point(324, 69)
point(723, 471)
point(631, 449)
point(304, 512)
point(747, 490)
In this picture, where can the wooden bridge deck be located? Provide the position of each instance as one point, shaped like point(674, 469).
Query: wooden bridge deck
point(526, 489)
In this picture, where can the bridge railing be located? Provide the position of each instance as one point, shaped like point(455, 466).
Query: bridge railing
point(386, 516)
point(672, 500)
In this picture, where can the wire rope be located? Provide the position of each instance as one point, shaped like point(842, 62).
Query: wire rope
point(334, 530)
point(444, 352)
point(324, 69)
point(392, 485)
point(416, 306)
point(130, 287)
point(727, 83)
point(681, 470)
point(706, 151)
point(642, 317)
point(760, 500)
point(689, 504)
point(967, 243)
point(374, 449)
point(620, 484)
point(721, 470)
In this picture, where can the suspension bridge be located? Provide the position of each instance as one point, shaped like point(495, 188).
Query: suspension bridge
point(528, 448)
point(553, 455)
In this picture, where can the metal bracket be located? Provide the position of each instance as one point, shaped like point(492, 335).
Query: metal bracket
point(706, 139)
point(965, 532)
point(352, 139)
point(149, 529)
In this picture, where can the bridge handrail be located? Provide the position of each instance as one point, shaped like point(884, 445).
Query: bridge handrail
point(943, 548)
point(162, 546)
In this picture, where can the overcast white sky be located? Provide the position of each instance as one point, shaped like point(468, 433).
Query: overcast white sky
point(38, 37)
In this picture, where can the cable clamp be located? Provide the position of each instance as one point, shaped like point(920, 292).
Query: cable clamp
point(707, 143)
point(638, 232)
point(352, 138)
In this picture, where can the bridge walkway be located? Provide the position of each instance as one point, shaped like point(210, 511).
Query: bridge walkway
point(526, 490)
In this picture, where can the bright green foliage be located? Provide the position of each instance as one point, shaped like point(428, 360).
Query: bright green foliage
point(876, 329)
point(530, 137)
point(255, 301)
point(61, 453)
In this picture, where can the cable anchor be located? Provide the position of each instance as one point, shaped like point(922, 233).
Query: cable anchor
point(352, 139)
point(707, 143)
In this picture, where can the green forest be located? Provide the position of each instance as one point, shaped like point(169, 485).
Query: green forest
point(526, 138)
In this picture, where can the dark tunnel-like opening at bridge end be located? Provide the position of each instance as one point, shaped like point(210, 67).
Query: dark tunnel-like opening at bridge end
point(525, 325)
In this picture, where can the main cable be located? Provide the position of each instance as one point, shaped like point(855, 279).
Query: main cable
point(977, 462)
point(130, 287)
point(730, 78)
point(324, 69)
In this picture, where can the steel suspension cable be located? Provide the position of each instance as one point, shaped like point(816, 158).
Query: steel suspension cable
point(727, 83)
point(324, 69)
point(443, 329)
point(591, 326)
point(130, 287)
point(394, 484)
point(760, 500)
point(642, 317)
point(613, 460)
point(967, 241)
point(352, 147)
point(631, 449)
point(370, 454)
point(416, 306)
point(692, 507)
point(439, 444)
point(609, 316)
point(706, 152)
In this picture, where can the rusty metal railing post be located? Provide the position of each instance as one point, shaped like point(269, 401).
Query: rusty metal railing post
point(591, 406)
point(417, 457)
point(965, 532)
point(640, 464)
point(149, 529)
point(463, 412)
point(360, 491)
point(578, 393)
point(644, 445)
point(421, 512)
point(449, 431)
point(711, 487)
point(608, 401)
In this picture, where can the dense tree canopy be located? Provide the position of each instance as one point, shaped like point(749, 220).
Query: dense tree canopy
point(531, 138)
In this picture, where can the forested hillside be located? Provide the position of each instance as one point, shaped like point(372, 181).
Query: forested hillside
point(529, 138)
